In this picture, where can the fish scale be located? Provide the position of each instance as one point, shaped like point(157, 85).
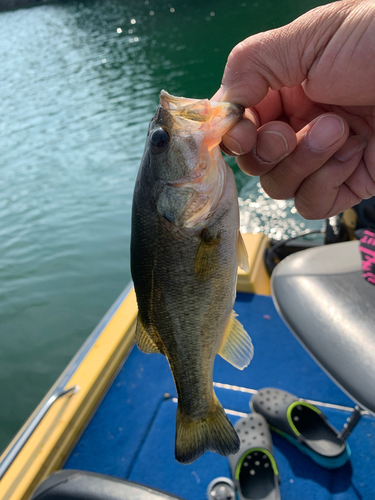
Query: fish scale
point(184, 257)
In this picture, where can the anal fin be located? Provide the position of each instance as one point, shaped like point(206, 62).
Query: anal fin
point(237, 347)
point(144, 340)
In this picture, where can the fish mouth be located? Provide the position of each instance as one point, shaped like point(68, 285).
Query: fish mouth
point(215, 118)
point(228, 114)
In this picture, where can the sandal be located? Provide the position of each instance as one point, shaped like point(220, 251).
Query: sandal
point(253, 467)
point(302, 424)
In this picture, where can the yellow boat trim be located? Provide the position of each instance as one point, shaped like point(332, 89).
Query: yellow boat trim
point(48, 446)
point(257, 279)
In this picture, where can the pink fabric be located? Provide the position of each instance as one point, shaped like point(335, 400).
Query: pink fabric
point(367, 248)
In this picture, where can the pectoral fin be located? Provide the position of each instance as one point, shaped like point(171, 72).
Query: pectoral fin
point(144, 340)
point(237, 347)
point(207, 256)
point(243, 259)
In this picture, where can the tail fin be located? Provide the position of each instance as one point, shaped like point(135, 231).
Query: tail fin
point(213, 432)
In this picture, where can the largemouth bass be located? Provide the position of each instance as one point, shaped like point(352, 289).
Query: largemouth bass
point(185, 249)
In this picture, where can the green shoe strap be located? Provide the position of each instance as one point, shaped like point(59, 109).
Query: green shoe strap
point(260, 450)
point(291, 408)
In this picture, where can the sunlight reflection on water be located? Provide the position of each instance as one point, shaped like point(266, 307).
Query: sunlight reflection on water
point(277, 219)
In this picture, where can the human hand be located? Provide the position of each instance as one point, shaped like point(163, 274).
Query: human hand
point(309, 90)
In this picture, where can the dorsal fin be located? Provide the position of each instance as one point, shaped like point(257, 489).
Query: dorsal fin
point(237, 347)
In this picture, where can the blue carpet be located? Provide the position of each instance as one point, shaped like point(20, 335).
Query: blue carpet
point(131, 435)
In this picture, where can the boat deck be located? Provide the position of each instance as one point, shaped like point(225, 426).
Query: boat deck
point(131, 435)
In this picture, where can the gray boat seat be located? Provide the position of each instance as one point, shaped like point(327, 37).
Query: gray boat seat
point(75, 484)
point(323, 298)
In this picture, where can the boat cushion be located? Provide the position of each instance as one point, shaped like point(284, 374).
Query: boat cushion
point(76, 484)
point(324, 299)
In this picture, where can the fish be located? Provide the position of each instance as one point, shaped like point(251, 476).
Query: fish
point(185, 250)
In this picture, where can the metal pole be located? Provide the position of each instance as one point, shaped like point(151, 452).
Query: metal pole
point(351, 422)
point(23, 438)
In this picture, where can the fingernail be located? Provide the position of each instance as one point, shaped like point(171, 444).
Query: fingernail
point(325, 132)
point(271, 146)
point(232, 145)
point(353, 145)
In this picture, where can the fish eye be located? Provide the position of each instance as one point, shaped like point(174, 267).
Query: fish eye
point(160, 139)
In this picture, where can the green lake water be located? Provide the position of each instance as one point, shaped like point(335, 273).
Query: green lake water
point(79, 83)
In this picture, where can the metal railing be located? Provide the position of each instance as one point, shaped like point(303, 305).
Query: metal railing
point(27, 432)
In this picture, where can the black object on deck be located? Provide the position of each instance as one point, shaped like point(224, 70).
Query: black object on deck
point(74, 484)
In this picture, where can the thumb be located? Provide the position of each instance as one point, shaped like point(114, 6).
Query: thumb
point(278, 58)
